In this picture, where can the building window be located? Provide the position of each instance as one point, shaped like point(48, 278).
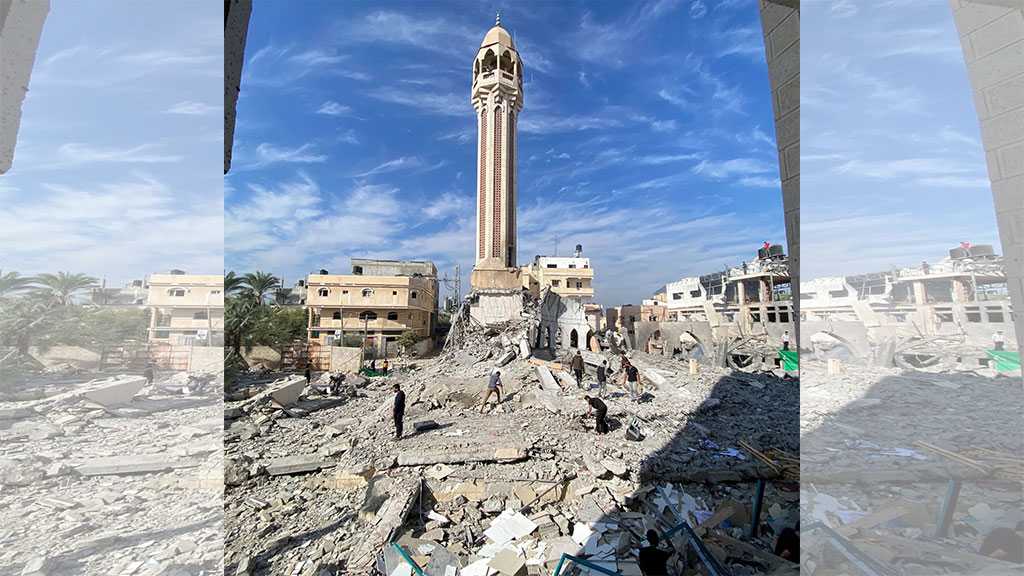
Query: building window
point(323, 292)
point(368, 315)
point(357, 270)
point(344, 291)
point(579, 284)
point(367, 292)
point(214, 291)
point(201, 315)
point(336, 315)
point(556, 283)
point(315, 335)
point(394, 292)
point(412, 295)
point(572, 265)
point(392, 315)
point(552, 265)
point(176, 292)
point(677, 296)
point(162, 334)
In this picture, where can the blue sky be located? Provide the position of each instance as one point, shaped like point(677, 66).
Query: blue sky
point(117, 167)
point(646, 136)
point(892, 168)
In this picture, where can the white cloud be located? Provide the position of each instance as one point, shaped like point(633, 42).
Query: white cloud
point(698, 9)
point(449, 104)
point(332, 108)
point(666, 158)
point(401, 163)
point(447, 204)
point(551, 124)
point(270, 154)
point(743, 167)
point(191, 108)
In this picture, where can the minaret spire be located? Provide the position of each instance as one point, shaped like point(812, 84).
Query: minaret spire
point(497, 18)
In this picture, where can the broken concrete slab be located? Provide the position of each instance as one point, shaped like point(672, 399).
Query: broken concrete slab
point(117, 392)
point(296, 464)
point(508, 562)
point(483, 454)
point(287, 391)
point(425, 425)
point(389, 518)
point(506, 358)
point(118, 465)
point(547, 380)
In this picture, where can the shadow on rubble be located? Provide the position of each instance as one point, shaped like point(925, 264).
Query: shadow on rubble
point(704, 457)
point(278, 547)
point(892, 461)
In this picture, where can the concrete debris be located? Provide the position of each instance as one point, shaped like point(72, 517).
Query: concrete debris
point(507, 491)
point(295, 465)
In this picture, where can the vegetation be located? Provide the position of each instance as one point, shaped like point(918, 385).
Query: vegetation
point(44, 311)
point(255, 315)
point(408, 339)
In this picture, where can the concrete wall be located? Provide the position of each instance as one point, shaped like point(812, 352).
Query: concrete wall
point(346, 359)
point(21, 24)
point(492, 308)
point(236, 28)
point(780, 23)
point(206, 359)
point(992, 37)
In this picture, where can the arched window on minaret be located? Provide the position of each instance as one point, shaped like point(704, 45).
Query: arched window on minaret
point(506, 62)
point(490, 61)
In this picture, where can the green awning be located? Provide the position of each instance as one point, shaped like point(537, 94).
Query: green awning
point(790, 360)
point(1006, 361)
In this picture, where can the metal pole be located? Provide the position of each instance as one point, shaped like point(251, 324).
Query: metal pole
point(947, 509)
point(755, 521)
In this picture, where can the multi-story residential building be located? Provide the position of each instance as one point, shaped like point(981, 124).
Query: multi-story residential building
point(186, 309)
point(653, 310)
point(376, 303)
point(132, 294)
point(570, 277)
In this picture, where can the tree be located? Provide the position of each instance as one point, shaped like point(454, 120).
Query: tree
point(260, 284)
point(63, 286)
point(12, 283)
point(232, 283)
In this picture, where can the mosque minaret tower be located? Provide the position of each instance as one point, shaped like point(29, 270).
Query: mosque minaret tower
point(497, 97)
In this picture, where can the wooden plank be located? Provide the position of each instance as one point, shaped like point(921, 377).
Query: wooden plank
point(874, 519)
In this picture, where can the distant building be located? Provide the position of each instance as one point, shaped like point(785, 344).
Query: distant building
point(133, 293)
point(187, 309)
point(569, 277)
point(379, 301)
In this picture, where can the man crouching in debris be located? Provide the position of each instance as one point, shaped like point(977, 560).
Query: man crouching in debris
point(577, 368)
point(600, 411)
point(399, 411)
point(493, 386)
point(653, 560)
point(633, 384)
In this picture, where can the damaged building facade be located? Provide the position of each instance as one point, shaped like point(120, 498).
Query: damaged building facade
point(925, 316)
point(186, 309)
point(376, 303)
point(566, 276)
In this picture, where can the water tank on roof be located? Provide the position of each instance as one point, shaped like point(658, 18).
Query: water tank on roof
point(177, 272)
point(957, 253)
point(323, 272)
point(579, 250)
point(982, 251)
point(775, 250)
point(762, 253)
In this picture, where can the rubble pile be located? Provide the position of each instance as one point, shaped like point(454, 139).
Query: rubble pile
point(882, 449)
point(112, 476)
point(319, 484)
point(507, 340)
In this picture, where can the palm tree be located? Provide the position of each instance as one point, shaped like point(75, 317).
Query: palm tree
point(11, 283)
point(232, 283)
point(63, 286)
point(260, 284)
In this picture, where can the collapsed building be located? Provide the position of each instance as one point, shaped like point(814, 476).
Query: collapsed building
point(738, 317)
point(936, 316)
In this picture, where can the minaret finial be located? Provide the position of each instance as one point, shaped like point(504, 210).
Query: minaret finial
point(497, 19)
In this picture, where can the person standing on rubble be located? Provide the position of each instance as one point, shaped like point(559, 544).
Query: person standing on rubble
point(493, 386)
point(652, 560)
point(577, 368)
point(384, 367)
point(633, 383)
point(600, 411)
point(785, 340)
point(309, 374)
point(399, 410)
point(148, 373)
point(602, 377)
point(998, 341)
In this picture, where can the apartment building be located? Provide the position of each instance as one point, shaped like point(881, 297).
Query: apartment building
point(377, 302)
point(571, 277)
point(186, 309)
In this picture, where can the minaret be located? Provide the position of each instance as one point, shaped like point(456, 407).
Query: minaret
point(497, 97)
